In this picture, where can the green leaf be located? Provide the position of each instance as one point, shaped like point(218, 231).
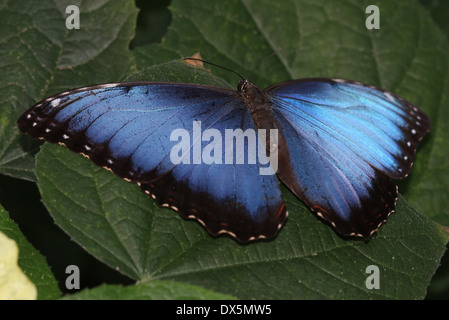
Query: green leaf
point(31, 261)
point(151, 290)
point(438, 10)
point(178, 71)
point(40, 56)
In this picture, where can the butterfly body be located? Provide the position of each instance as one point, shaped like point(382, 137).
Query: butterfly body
point(339, 145)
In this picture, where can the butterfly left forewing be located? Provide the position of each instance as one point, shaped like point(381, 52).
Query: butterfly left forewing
point(128, 129)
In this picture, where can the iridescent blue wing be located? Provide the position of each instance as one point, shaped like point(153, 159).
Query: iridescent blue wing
point(345, 140)
point(128, 127)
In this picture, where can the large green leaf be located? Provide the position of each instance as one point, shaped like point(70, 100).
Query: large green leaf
point(31, 261)
point(40, 56)
point(120, 225)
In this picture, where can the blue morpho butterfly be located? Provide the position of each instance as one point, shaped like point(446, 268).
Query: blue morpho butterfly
point(339, 145)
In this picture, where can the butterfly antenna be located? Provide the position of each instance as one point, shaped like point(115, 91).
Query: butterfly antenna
point(216, 65)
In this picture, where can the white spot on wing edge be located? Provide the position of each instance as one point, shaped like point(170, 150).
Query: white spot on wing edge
point(389, 96)
point(55, 102)
point(109, 85)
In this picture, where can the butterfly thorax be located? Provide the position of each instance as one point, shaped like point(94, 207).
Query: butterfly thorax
point(254, 98)
point(258, 104)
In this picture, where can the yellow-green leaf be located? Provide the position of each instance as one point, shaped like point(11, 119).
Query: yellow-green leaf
point(14, 285)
